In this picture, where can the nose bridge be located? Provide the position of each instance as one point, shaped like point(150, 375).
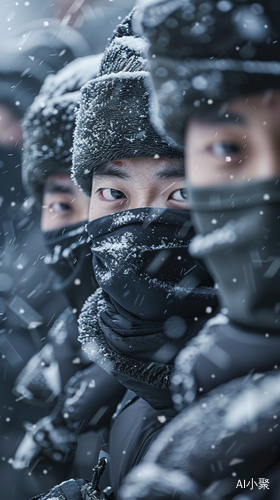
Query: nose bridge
point(268, 157)
point(143, 197)
point(273, 154)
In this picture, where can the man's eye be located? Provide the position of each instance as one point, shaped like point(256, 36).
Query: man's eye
point(111, 194)
point(179, 195)
point(60, 207)
point(222, 149)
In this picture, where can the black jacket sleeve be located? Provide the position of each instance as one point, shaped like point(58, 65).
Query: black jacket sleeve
point(91, 399)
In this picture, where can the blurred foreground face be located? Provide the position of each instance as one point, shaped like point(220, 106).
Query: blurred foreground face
point(63, 203)
point(135, 183)
point(236, 142)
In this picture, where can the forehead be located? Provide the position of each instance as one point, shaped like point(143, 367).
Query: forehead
point(58, 179)
point(241, 110)
point(129, 167)
point(59, 184)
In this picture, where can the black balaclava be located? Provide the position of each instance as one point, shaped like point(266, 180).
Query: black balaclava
point(154, 297)
point(243, 252)
point(70, 259)
point(141, 260)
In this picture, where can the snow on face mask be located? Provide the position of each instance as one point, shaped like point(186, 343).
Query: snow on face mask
point(240, 244)
point(70, 259)
point(64, 243)
point(141, 259)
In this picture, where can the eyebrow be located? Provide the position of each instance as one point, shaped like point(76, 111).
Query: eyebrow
point(110, 170)
point(171, 171)
point(58, 188)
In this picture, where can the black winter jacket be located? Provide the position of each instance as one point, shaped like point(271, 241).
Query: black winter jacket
point(134, 427)
point(85, 405)
point(143, 412)
point(225, 440)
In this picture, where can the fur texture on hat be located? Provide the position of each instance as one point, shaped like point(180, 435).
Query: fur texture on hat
point(49, 123)
point(207, 52)
point(113, 121)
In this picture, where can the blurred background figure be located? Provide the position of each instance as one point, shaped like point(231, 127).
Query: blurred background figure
point(28, 309)
point(48, 137)
point(37, 39)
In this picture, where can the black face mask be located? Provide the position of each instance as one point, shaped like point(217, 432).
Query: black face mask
point(70, 259)
point(141, 259)
point(243, 251)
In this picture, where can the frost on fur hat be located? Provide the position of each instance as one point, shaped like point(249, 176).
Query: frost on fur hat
point(113, 121)
point(49, 123)
point(204, 52)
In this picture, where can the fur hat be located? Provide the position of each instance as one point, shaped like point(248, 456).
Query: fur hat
point(113, 121)
point(49, 123)
point(207, 52)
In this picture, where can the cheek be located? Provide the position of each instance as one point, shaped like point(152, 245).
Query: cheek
point(46, 214)
point(44, 219)
point(49, 220)
point(91, 210)
point(83, 208)
point(200, 166)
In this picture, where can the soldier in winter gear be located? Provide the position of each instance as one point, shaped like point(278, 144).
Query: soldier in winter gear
point(48, 128)
point(152, 296)
point(215, 70)
point(27, 309)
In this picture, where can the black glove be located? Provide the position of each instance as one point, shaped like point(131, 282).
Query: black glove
point(50, 437)
point(80, 489)
point(39, 382)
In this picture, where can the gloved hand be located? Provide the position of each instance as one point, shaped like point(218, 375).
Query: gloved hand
point(50, 437)
point(39, 382)
point(80, 489)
